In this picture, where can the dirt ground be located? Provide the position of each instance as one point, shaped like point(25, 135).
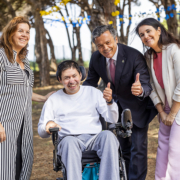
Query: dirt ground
point(43, 148)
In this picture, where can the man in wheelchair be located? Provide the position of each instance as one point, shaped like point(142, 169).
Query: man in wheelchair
point(75, 110)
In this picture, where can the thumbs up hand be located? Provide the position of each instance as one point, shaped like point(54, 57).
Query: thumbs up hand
point(107, 93)
point(136, 87)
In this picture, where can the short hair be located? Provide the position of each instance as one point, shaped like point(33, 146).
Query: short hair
point(68, 64)
point(6, 38)
point(101, 29)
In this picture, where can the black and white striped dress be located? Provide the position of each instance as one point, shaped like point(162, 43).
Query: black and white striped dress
point(15, 106)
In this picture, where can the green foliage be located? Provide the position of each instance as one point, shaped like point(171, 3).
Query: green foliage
point(164, 23)
point(86, 64)
point(58, 61)
point(8, 10)
point(34, 103)
point(34, 66)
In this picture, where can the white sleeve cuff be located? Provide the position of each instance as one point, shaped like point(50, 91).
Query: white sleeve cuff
point(142, 94)
point(113, 113)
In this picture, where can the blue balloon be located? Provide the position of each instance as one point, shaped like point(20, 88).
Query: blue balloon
point(171, 15)
point(173, 7)
point(168, 8)
point(167, 17)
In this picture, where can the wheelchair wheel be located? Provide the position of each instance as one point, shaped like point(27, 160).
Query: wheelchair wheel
point(123, 175)
point(64, 173)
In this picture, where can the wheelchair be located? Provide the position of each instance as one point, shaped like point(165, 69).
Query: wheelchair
point(122, 129)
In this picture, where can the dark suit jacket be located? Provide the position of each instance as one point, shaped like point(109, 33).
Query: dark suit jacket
point(129, 63)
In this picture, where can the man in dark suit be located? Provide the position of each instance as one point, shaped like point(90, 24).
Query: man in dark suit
point(127, 71)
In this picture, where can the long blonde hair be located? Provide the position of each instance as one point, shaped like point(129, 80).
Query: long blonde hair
point(6, 38)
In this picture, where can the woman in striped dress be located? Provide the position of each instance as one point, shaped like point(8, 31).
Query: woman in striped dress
point(16, 82)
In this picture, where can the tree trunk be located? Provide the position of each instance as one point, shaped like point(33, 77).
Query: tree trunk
point(37, 43)
point(108, 7)
point(80, 59)
point(73, 52)
point(172, 21)
point(129, 25)
point(53, 64)
point(101, 15)
point(41, 45)
point(123, 37)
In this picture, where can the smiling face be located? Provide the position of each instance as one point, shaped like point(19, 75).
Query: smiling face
point(71, 79)
point(21, 36)
point(150, 36)
point(106, 44)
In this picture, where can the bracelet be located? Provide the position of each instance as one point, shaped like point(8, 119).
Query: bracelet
point(172, 115)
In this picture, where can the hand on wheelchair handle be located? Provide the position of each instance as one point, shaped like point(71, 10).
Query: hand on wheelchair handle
point(51, 124)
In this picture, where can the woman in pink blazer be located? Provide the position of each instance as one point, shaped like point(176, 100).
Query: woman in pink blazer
point(163, 60)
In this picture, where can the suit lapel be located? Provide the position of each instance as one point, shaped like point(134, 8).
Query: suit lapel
point(121, 60)
point(165, 75)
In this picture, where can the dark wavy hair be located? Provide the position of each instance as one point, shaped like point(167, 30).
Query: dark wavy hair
point(6, 38)
point(165, 38)
point(68, 64)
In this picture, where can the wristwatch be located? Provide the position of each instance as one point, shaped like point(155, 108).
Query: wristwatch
point(110, 102)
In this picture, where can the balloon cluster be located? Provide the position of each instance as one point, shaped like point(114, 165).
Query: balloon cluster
point(54, 8)
point(85, 20)
point(68, 20)
point(145, 14)
point(116, 2)
point(168, 15)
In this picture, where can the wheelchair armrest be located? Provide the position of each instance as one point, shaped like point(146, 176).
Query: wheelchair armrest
point(115, 126)
point(123, 128)
point(126, 119)
point(53, 130)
